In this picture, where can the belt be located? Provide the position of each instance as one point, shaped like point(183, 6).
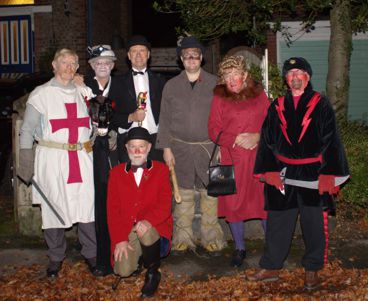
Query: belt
point(73, 147)
point(192, 143)
point(200, 143)
point(299, 161)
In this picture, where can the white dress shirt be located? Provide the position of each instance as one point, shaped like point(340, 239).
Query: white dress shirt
point(141, 84)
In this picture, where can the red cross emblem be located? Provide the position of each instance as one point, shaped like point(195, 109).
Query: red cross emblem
point(72, 123)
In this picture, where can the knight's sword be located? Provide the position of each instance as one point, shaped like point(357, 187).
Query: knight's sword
point(39, 190)
point(308, 184)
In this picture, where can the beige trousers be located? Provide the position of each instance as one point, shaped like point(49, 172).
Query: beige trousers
point(125, 267)
point(212, 236)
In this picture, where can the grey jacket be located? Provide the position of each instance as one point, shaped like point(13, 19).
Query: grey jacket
point(183, 126)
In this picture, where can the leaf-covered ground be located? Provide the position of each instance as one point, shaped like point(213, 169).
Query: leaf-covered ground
point(28, 283)
point(76, 283)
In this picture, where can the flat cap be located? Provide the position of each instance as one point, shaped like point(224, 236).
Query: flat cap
point(189, 42)
point(296, 63)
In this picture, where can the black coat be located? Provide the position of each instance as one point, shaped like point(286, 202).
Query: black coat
point(307, 132)
point(115, 92)
point(126, 103)
point(102, 158)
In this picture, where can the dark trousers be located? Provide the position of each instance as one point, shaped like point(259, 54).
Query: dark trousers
point(56, 242)
point(279, 235)
point(103, 259)
point(102, 162)
point(154, 154)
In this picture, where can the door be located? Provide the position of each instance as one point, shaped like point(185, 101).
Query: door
point(16, 44)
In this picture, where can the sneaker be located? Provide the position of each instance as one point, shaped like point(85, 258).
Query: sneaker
point(264, 276)
point(238, 258)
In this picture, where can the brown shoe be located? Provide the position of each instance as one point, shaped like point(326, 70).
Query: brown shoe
point(311, 280)
point(264, 276)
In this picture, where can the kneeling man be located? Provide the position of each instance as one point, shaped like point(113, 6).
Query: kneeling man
point(139, 211)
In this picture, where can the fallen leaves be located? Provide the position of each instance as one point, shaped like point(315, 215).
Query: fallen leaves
point(76, 283)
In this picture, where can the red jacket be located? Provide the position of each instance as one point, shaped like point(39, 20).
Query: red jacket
point(128, 204)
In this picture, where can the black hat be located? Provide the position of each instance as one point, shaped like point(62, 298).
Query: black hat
point(296, 63)
point(189, 42)
point(138, 40)
point(138, 133)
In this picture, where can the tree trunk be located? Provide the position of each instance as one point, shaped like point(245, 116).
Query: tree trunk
point(339, 57)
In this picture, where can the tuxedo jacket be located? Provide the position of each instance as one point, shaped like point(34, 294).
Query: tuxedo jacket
point(126, 103)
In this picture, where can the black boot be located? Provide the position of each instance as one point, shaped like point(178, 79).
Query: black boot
point(91, 263)
point(53, 269)
point(238, 258)
point(151, 282)
point(151, 259)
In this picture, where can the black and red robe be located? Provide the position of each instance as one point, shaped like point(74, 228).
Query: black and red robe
point(307, 142)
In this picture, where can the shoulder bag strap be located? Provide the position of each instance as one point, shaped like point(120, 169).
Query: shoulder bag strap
point(214, 150)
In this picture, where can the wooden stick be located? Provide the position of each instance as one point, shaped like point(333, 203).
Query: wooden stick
point(139, 103)
point(175, 185)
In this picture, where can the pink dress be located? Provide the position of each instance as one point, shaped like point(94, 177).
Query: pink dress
point(233, 118)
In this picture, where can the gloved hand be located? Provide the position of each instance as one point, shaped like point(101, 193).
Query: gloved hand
point(326, 183)
point(113, 140)
point(273, 178)
point(94, 134)
point(26, 165)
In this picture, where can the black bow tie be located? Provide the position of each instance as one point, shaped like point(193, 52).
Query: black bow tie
point(135, 167)
point(137, 72)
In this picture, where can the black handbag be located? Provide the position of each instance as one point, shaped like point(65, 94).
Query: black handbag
point(221, 177)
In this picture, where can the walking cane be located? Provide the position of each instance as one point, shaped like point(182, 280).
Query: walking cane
point(175, 185)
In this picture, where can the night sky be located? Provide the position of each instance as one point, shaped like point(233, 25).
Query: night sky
point(158, 28)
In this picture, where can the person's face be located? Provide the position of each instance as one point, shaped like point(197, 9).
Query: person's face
point(138, 150)
point(234, 79)
point(138, 56)
point(65, 67)
point(297, 80)
point(192, 59)
point(102, 67)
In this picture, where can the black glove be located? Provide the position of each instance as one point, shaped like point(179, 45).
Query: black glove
point(26, 165)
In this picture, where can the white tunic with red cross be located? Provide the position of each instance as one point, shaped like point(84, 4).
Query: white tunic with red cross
point(65, 177)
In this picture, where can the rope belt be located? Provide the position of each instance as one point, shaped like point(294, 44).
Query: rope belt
point(67, 146)
point(299, 161)
point(200, 143)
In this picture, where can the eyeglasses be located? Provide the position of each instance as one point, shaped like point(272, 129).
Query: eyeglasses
point(191, 57)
